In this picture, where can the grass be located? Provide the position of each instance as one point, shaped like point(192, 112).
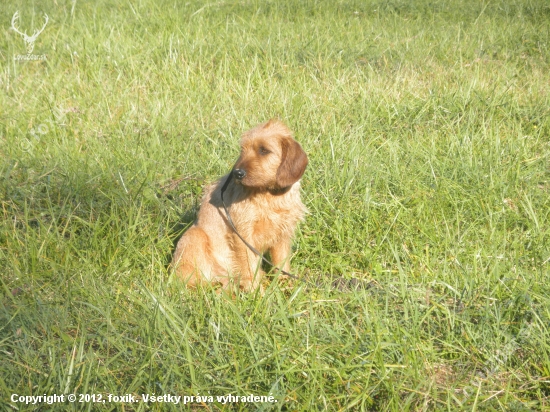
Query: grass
point(427, 127)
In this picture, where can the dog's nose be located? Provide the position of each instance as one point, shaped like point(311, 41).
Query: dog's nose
point(239, 174)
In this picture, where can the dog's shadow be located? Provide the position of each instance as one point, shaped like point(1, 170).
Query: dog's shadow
point(177, 231)
point(175, 196)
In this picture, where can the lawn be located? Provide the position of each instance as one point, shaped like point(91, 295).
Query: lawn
point(426, 246)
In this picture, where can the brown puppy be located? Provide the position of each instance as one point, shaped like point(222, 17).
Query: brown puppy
point(263, 199)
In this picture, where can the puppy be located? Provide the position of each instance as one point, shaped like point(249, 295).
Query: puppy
point(263, 200)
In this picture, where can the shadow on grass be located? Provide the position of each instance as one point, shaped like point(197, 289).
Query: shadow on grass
point(177, 231)
point(97, 217)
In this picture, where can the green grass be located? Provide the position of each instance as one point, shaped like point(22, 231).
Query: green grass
point(427, 126)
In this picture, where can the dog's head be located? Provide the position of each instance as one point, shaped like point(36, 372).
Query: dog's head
point(270, 158)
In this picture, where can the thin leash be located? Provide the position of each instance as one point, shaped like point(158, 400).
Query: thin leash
point(252, 248)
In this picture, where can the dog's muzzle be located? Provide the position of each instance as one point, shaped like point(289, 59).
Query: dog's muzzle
point(239, 174)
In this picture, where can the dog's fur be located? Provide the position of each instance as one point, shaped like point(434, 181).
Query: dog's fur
point(264, 205)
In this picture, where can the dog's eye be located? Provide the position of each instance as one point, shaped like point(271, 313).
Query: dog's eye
point(264, 151)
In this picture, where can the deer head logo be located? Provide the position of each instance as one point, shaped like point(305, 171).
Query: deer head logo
point(29, 40)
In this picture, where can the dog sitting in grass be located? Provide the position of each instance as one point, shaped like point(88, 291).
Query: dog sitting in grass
point(263, 200)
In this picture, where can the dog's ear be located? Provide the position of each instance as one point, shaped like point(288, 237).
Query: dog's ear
point(271, 122)
point(293, 163)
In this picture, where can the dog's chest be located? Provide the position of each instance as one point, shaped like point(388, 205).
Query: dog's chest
point(269, 228)
point(268, 221)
